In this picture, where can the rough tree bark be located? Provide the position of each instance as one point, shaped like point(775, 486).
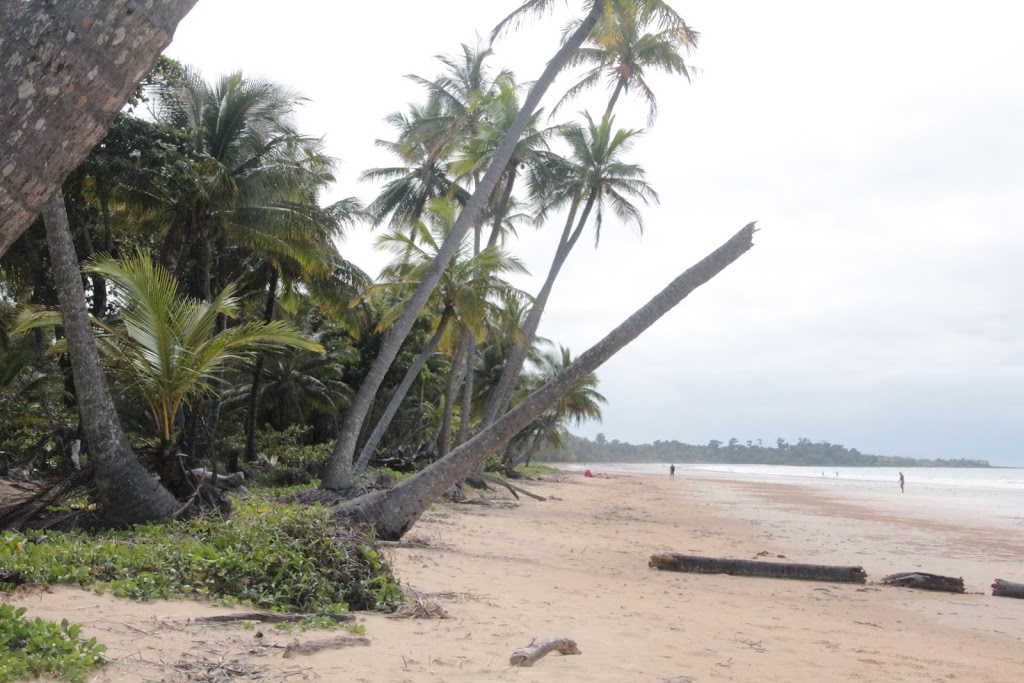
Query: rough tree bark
point(66, 69)
point(127, 493)
point(338, 472)
point(773, 570)
point(393, 512)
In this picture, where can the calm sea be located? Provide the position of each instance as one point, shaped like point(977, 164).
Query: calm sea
point(945, 477)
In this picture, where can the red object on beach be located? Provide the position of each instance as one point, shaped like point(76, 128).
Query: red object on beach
point(586, 473)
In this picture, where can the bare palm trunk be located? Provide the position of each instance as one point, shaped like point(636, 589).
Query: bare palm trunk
point(392, 513)
point(517, 357)
point(257, 376)
point(338, 471)
point(466, 419)
point(66, 69)
point(128, 493)
point(400, 393)
point(451, 391)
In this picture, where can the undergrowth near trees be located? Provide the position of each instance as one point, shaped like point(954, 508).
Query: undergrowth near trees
point(286, 558)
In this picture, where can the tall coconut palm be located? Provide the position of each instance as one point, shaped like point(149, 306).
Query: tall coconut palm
point(392, 513)
point(126, 492)
point(462, 297)
point(620, 52)
point(257, 182)
point(338, 472)
point(44, 133)
point(167, 348)
point(595, 179)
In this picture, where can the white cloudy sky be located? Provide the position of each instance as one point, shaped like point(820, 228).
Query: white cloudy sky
point(879, 144)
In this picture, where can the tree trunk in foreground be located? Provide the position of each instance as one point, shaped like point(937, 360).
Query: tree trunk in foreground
point(1008, 589)
point(66, 69)
point(127, 492)
point(926, 582)
point(393, 512)
point(338, 472)
point(253, 407)
point(773, 570)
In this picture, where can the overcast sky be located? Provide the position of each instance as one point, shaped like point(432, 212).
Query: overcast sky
point(879, 145)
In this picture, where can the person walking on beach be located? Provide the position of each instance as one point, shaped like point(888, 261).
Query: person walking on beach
point(901, 482)
point(671, 470)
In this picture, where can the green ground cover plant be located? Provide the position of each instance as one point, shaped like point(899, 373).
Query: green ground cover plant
point(32, 647)
point(274, 556)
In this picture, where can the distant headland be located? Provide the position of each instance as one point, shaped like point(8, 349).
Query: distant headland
point(803, 452)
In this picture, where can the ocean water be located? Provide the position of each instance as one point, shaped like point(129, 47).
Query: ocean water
point(968, 478)
point(967, 493)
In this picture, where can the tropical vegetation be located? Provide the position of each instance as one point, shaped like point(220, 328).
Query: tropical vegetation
point(184, 306)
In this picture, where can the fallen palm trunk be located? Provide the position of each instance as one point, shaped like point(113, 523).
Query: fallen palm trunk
point(273, 617)
point(528, 656)
point(512, 488)
point(1008, 589)
point(773, 570)
point(926, 582)
point(312, 647)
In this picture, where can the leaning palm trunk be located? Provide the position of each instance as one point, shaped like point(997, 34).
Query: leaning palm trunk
point(253, 407)
point(338, 472)
point(466, 418)
point(127, 493)
point(517, 356)
point(400, 393)
point(394, 512)
point(96, 48)
point(451, 391)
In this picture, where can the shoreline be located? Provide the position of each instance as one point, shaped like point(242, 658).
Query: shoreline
point(575, 566)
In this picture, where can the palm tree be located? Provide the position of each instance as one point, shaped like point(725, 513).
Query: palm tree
point(257, 179)
point(582, 403)
point(594, 179)
point(43, 132)
point(424, 174)
point(620, 52)
point(462, 296)
point(127, 493)
point(392, 513)
point(168, 348)
point(338, 472)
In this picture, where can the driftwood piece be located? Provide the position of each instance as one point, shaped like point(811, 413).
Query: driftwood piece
point(295, 648)
point(773, 570)
point(272, 617)
point(229, 482)
point(513, 489)
point(1008, 589)
point(528, 656)
point(925, 582)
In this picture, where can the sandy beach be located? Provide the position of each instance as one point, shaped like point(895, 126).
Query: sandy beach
point(575, 566)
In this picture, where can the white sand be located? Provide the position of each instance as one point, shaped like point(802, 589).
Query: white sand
point(576, 566)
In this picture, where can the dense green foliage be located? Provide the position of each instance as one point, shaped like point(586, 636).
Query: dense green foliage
point(33, 647)
point(803, 452)
point(279, 557)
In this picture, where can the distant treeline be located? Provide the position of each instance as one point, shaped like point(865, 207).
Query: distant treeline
point(803, 452)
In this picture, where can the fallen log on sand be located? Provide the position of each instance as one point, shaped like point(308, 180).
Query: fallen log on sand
point(773, 570)
point(273, 617)
point(924, 581)
point(296, 648)
point(528, 656)
point(1008, 589)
